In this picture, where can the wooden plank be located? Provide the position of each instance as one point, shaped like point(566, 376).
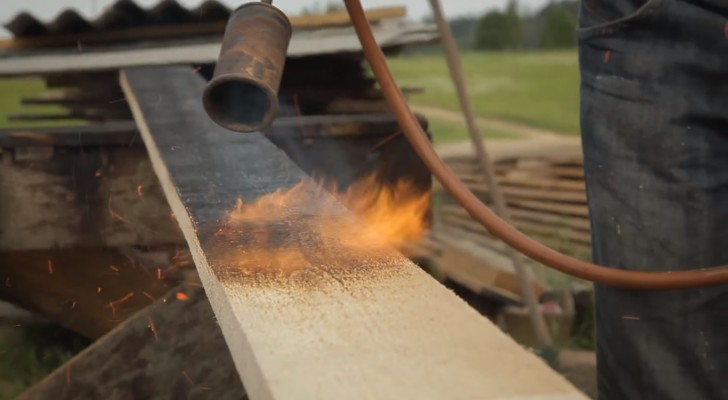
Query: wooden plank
point(520, 215)
point(171, 350)
point(88, 291)
point(562, 185)
point(125, 133)
point(535, 194)
point(480, 235)
point(77, 113)
point(337, 320)
point(116, 133)
point(216, 28)
point(481, 270)
point(83, 197)
point(564, 209)
point(193, 51)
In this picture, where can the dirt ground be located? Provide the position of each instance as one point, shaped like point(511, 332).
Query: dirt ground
point(580, 368)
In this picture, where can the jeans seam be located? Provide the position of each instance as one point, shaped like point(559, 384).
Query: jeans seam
point(619, 25)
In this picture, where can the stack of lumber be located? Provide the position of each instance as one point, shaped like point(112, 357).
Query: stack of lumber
point(543, 183)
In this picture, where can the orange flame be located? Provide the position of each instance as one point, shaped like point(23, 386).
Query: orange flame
point(267, 232)
point(396, 212)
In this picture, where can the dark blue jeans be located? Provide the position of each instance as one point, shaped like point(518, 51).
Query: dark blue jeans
point(654, 119)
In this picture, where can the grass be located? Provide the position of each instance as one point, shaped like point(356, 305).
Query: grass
point(444, 131)
point(29, 354)
point(11, 93)
point(534, 88)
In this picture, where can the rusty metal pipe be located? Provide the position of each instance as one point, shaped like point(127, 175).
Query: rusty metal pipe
point(242, 95)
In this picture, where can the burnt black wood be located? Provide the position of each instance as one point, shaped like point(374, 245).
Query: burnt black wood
point(122, 133)
point(212, 167)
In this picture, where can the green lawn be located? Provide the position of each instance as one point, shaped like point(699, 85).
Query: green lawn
point(534, 88)
point(444, 131)
point(11, 93)
point(29, 353)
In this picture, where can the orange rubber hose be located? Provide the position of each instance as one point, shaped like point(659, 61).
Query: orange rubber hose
point(480, 212)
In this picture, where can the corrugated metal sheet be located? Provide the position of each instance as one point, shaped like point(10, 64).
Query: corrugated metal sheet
point(123, 14)
point(389, 34)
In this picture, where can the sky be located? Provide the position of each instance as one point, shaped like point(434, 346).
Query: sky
point(48, 9)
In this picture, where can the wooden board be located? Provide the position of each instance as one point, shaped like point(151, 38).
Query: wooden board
point(82, 197)
point(171, 350)
point(88, 291)
point(336, 320)
point(119, 133)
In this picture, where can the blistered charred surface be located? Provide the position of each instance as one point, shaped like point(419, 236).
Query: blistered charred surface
point(172, 350)
point(311, 305)
point(82, 197)
point(88, 291)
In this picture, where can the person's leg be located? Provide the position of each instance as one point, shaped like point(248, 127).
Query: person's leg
point(654, 118)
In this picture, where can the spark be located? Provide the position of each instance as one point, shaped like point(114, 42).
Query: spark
point(184, 373)
point(182, 297)
point(112, 304)
point(159, 274)
point(98, 290)
point(98, 173)
point(149, 296)
point(73, 305)
point(114, 214)
point(113, 268)
point(140, 191)
point(386, 140)
point(630, 317)
point(607, 56)
point(153, 329)
point(299, 113)
point(50, 267)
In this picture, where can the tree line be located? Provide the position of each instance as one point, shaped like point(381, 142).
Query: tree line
point(551, 27)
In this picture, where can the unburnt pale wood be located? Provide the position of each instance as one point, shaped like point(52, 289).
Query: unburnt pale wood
point(334, 321)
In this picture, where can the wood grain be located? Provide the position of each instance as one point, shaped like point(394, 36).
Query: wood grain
point(336, 321)
point(80, 289)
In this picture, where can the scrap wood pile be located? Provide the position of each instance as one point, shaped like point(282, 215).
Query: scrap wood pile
point(543, 183)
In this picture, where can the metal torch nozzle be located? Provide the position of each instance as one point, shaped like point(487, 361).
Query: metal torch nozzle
point(243, 93)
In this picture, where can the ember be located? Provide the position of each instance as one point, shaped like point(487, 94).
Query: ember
point(153, 328)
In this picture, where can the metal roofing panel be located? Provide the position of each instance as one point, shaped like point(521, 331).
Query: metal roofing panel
point(389, 34)
point(122, 14)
